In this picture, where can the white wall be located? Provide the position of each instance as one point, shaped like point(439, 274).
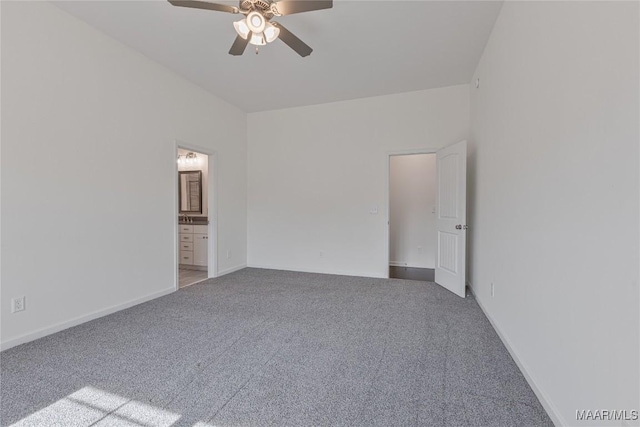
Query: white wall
point(88, 151)
point(316, 172)
point(554, 203)
point(203, 166)
point(412, 218)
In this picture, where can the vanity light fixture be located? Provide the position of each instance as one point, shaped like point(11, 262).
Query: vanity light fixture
point(190, 159)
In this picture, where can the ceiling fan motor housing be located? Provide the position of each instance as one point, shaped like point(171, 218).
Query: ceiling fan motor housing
point(262, 6)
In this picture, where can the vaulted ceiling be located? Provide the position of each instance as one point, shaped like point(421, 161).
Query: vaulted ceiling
point(361, 48)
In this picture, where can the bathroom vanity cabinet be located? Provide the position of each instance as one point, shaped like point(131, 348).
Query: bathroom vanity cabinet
point(194, 242)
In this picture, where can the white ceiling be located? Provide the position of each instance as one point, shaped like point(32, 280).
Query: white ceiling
point(361, 48)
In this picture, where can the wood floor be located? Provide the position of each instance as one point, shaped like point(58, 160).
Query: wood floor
point(412, 273)
point(189, 277)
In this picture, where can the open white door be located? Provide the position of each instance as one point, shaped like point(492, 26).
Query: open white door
point(451, 217)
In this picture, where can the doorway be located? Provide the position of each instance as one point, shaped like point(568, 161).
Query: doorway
point(412, 216)
point(195, 209)
point(446, 249)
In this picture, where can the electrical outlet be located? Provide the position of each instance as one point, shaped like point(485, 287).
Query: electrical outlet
point(321, 254)
point(493, 290)
point(17, 304)
point(228, 253)
point(419, 248)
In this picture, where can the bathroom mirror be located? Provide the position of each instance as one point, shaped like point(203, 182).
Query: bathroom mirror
point(190, 191)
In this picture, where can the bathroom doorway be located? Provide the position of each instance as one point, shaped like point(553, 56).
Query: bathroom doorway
point(412, 216)
point(195, 216)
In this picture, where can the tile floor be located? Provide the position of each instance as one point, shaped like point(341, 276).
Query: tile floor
point(189, 277)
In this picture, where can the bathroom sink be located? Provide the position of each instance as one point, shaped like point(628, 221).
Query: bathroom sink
point(196, 220)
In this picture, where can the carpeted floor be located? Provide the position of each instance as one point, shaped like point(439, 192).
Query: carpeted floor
point(263, 347)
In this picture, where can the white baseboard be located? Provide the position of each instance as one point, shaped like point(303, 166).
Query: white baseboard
point(305, 270)
point(231, 270)
point(31, 336)
point(397, 264)
point(552, 411)
point(408, 265)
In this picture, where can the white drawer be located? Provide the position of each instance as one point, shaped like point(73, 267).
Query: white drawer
point(186, 257)
point(186, 228)
point(200, 229)
point(186, 246)
point(186, 237)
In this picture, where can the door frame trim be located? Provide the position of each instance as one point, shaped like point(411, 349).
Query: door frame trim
point(388, 155)
point(212, 208)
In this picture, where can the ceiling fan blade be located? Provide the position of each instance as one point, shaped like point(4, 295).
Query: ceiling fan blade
point(289, 7)
point(292, 41)
point(204, 5)
point(239, 45)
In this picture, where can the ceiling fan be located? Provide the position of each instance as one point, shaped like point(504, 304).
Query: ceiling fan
point(257, 28)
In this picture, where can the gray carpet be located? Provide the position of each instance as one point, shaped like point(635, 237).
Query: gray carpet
point(263, 347)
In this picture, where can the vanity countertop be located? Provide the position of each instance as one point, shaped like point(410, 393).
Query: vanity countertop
point(195, 220)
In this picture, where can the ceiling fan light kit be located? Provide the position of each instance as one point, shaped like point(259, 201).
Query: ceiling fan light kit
point(271, 32)
point(256, 28)
point(255, 22)
point(242, 28)
point(261, 31)
point(257, 39)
